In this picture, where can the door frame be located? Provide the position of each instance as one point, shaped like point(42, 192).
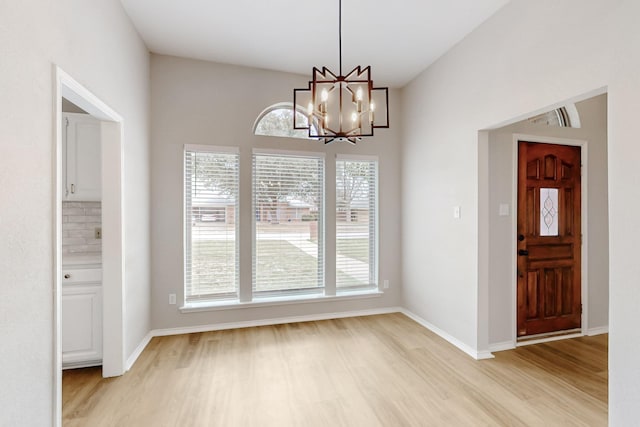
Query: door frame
point(584, 286)
point(113, 263)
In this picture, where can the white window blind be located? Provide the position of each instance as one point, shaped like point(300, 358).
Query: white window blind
point(356, 217)
point(288, 253)
point(211, 219)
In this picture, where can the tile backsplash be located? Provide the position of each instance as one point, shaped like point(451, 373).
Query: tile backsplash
point(79, 223)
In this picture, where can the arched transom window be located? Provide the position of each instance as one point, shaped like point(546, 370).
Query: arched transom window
point(277, 120)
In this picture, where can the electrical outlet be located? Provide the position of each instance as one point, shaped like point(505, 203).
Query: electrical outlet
point(98, 232)
point(172, 299)
point(385, 284)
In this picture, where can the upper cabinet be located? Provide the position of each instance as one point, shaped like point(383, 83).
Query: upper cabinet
point(82, 164)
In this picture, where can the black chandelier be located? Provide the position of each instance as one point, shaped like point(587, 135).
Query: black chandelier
point(342, 108)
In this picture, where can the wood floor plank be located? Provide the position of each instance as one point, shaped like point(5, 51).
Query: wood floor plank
point(365, 371)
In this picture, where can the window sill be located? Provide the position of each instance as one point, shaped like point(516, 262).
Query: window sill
point(275, 301)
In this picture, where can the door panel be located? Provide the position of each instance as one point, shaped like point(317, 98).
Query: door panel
point(549, 243)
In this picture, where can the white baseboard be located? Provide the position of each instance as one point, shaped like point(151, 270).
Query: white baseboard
point(478, 355)
point(251, 323)
point(138, 351)
point(272, 321)
point(502, 346)
point(598, 331)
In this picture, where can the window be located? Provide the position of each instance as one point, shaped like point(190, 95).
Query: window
point(356, 223)
point(277, 120)
point(288, 253)
point(210, 221)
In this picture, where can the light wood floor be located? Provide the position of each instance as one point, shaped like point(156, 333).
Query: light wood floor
point(367, 371)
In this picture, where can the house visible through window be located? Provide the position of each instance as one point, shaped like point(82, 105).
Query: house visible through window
point(356, 223)
point(210, 221)
point(288, 254)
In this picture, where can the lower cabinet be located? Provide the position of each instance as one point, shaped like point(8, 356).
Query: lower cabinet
point(81, 325)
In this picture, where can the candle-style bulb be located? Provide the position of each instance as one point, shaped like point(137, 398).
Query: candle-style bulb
point(359, 94)
point(310, 109)
point(324, 95)
point(354, 116)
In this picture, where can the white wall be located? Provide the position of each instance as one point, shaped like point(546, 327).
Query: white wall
point(593, 115)
point(528, 57)
point(196, 102)
point(95, 43)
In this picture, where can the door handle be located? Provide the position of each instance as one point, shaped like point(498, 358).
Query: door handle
point(523, 252)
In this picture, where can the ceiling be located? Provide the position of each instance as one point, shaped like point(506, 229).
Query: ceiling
point(398, 38)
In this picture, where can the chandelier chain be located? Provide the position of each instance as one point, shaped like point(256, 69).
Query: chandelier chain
point(340, 32)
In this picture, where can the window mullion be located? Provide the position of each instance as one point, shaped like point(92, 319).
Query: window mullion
point(330, 229)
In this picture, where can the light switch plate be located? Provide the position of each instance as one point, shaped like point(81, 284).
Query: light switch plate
point(503, 210)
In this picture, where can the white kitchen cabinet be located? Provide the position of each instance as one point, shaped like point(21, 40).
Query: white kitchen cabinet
point(82, 164)
point(81, 318)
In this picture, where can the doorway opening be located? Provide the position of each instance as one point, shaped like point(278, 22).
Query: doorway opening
point(498, 204)
point(69, 91)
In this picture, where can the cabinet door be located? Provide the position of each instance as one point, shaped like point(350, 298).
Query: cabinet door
point(82, 157)
point(81, 324)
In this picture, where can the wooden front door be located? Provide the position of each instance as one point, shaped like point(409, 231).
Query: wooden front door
point(549, 238)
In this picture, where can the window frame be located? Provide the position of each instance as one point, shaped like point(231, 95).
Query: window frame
point(187, 220)
point(374, 240)
point(291, 294)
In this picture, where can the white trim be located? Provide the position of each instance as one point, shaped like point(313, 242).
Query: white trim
point(212, 148)
point(478, 355)
point(139, 349)
point(598, 331)
point(57, 252)
point(514, 245)
point(275, 301)
point(501, 346)
point(584, 158)
point(113, 244)
point(291, 153)
point(593, 93)
point(251, 323)
point(574, 116)
point(357, 157)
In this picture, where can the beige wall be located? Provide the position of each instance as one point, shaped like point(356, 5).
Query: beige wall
point(196, 102)
point(593, 115)
point(95, 43)
point(528, 58)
